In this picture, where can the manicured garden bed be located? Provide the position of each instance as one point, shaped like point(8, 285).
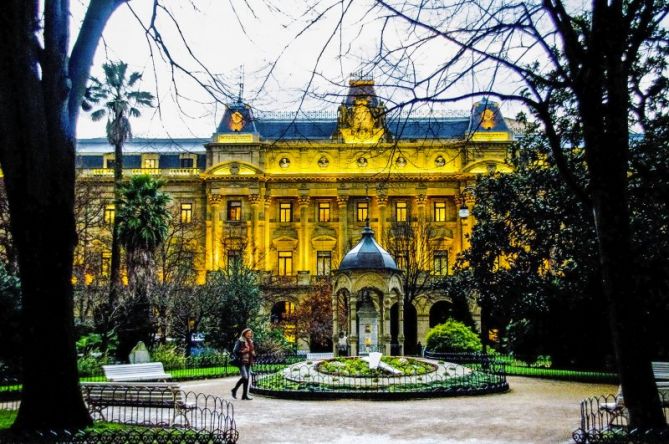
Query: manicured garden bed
point(358, 368)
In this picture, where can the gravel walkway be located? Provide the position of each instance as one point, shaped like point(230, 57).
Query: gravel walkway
point(534, 411)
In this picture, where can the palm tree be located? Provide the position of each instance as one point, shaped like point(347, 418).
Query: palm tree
point(143, 219)
point(119, 101)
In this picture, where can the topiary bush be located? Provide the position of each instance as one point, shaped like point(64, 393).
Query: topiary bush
point(453, 337)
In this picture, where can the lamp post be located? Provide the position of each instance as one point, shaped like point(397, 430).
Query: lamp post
point(463, 213)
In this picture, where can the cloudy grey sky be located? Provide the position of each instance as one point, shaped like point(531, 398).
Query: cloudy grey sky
point(296, 37)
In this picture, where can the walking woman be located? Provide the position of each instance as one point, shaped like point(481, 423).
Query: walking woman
point(244, 352)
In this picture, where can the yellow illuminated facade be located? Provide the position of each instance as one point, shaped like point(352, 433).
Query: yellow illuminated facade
point(291, 194)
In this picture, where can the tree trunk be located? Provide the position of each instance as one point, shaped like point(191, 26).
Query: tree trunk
point(37, 157)
point(606, 139)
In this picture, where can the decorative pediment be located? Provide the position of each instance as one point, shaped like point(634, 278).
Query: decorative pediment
point(236, 168)
point(324, 243)
point(442, 234)
point(285, 232)
point(284, 244)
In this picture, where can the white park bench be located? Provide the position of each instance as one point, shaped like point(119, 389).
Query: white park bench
point(150, 371)
point(319, 356)
point(660, 373)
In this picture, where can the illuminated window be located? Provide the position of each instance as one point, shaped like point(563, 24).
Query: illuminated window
point(323, 262)
point(235, 210)
point(186, 213)
point(440, 211)
point(323, 211)
point(151, 163)
point(402, 261)
point(110, 213)
point(400, 211)
point(285, 212)
point(105, 263)
point(285, 263)
point(187, 162)
point(440, 263)
point(362, 212)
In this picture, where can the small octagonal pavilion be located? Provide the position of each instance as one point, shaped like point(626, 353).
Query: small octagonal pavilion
point(366, 286)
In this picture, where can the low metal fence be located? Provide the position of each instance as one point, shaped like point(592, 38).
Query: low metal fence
point(303, 381)
point(513, 367)
point(149, 413)
point(605, 419)
point(121, 436)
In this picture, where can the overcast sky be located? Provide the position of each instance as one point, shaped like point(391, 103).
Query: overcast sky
point(228, 34)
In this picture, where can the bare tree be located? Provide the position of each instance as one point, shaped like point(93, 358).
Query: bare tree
point(178, 260)
point(581, 71)
point(93, 240)
point(42, 84)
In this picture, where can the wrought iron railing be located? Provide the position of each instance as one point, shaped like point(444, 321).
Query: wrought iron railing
point(170, 172)
point(304, 381)
point(605, 419)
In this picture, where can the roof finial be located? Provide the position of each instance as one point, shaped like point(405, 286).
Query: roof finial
point(241, 83)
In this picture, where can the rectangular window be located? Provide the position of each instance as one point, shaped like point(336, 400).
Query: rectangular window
point(285, 212)
point(402, 261)
point(111, 163)
point(110, 213)
point(400, 211)
point(105, 263)
point(235, 210)
point(186, 213)
point(323, 211)
point(187, 162)
point(440, 263)
point(323, 262)
point(362, 212)
point(285, 263)
point(234, 257)
point(440, 211)
point(151, 163)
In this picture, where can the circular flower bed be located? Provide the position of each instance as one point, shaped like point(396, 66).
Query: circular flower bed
point(403, 378)
point(359, 368)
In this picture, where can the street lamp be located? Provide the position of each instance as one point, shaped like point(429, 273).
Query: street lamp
point(463, 212)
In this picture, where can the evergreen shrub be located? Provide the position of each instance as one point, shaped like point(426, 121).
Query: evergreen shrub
point(453, 337)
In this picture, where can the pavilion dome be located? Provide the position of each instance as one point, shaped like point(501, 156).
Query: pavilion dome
point(368, 255)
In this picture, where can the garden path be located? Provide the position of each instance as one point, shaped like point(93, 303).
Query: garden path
point(534, 411)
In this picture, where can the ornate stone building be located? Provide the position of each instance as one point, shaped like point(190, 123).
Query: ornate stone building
point(291, 193)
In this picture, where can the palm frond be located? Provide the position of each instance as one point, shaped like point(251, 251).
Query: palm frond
point(134, 77)
point(98, 114)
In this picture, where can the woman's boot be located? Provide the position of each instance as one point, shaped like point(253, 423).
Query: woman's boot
point(245, 395)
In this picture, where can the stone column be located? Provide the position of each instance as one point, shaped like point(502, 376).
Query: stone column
point(215, 201)
point(253, 200)
point(353, 336)
point(335, 323)
point(385, 311)
point(303, 202)
point(381, 201)
point(267, 203)
point(400, 323)
point(421, 231)
point(342, 207)
point(209, 236)
point(422, 326)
